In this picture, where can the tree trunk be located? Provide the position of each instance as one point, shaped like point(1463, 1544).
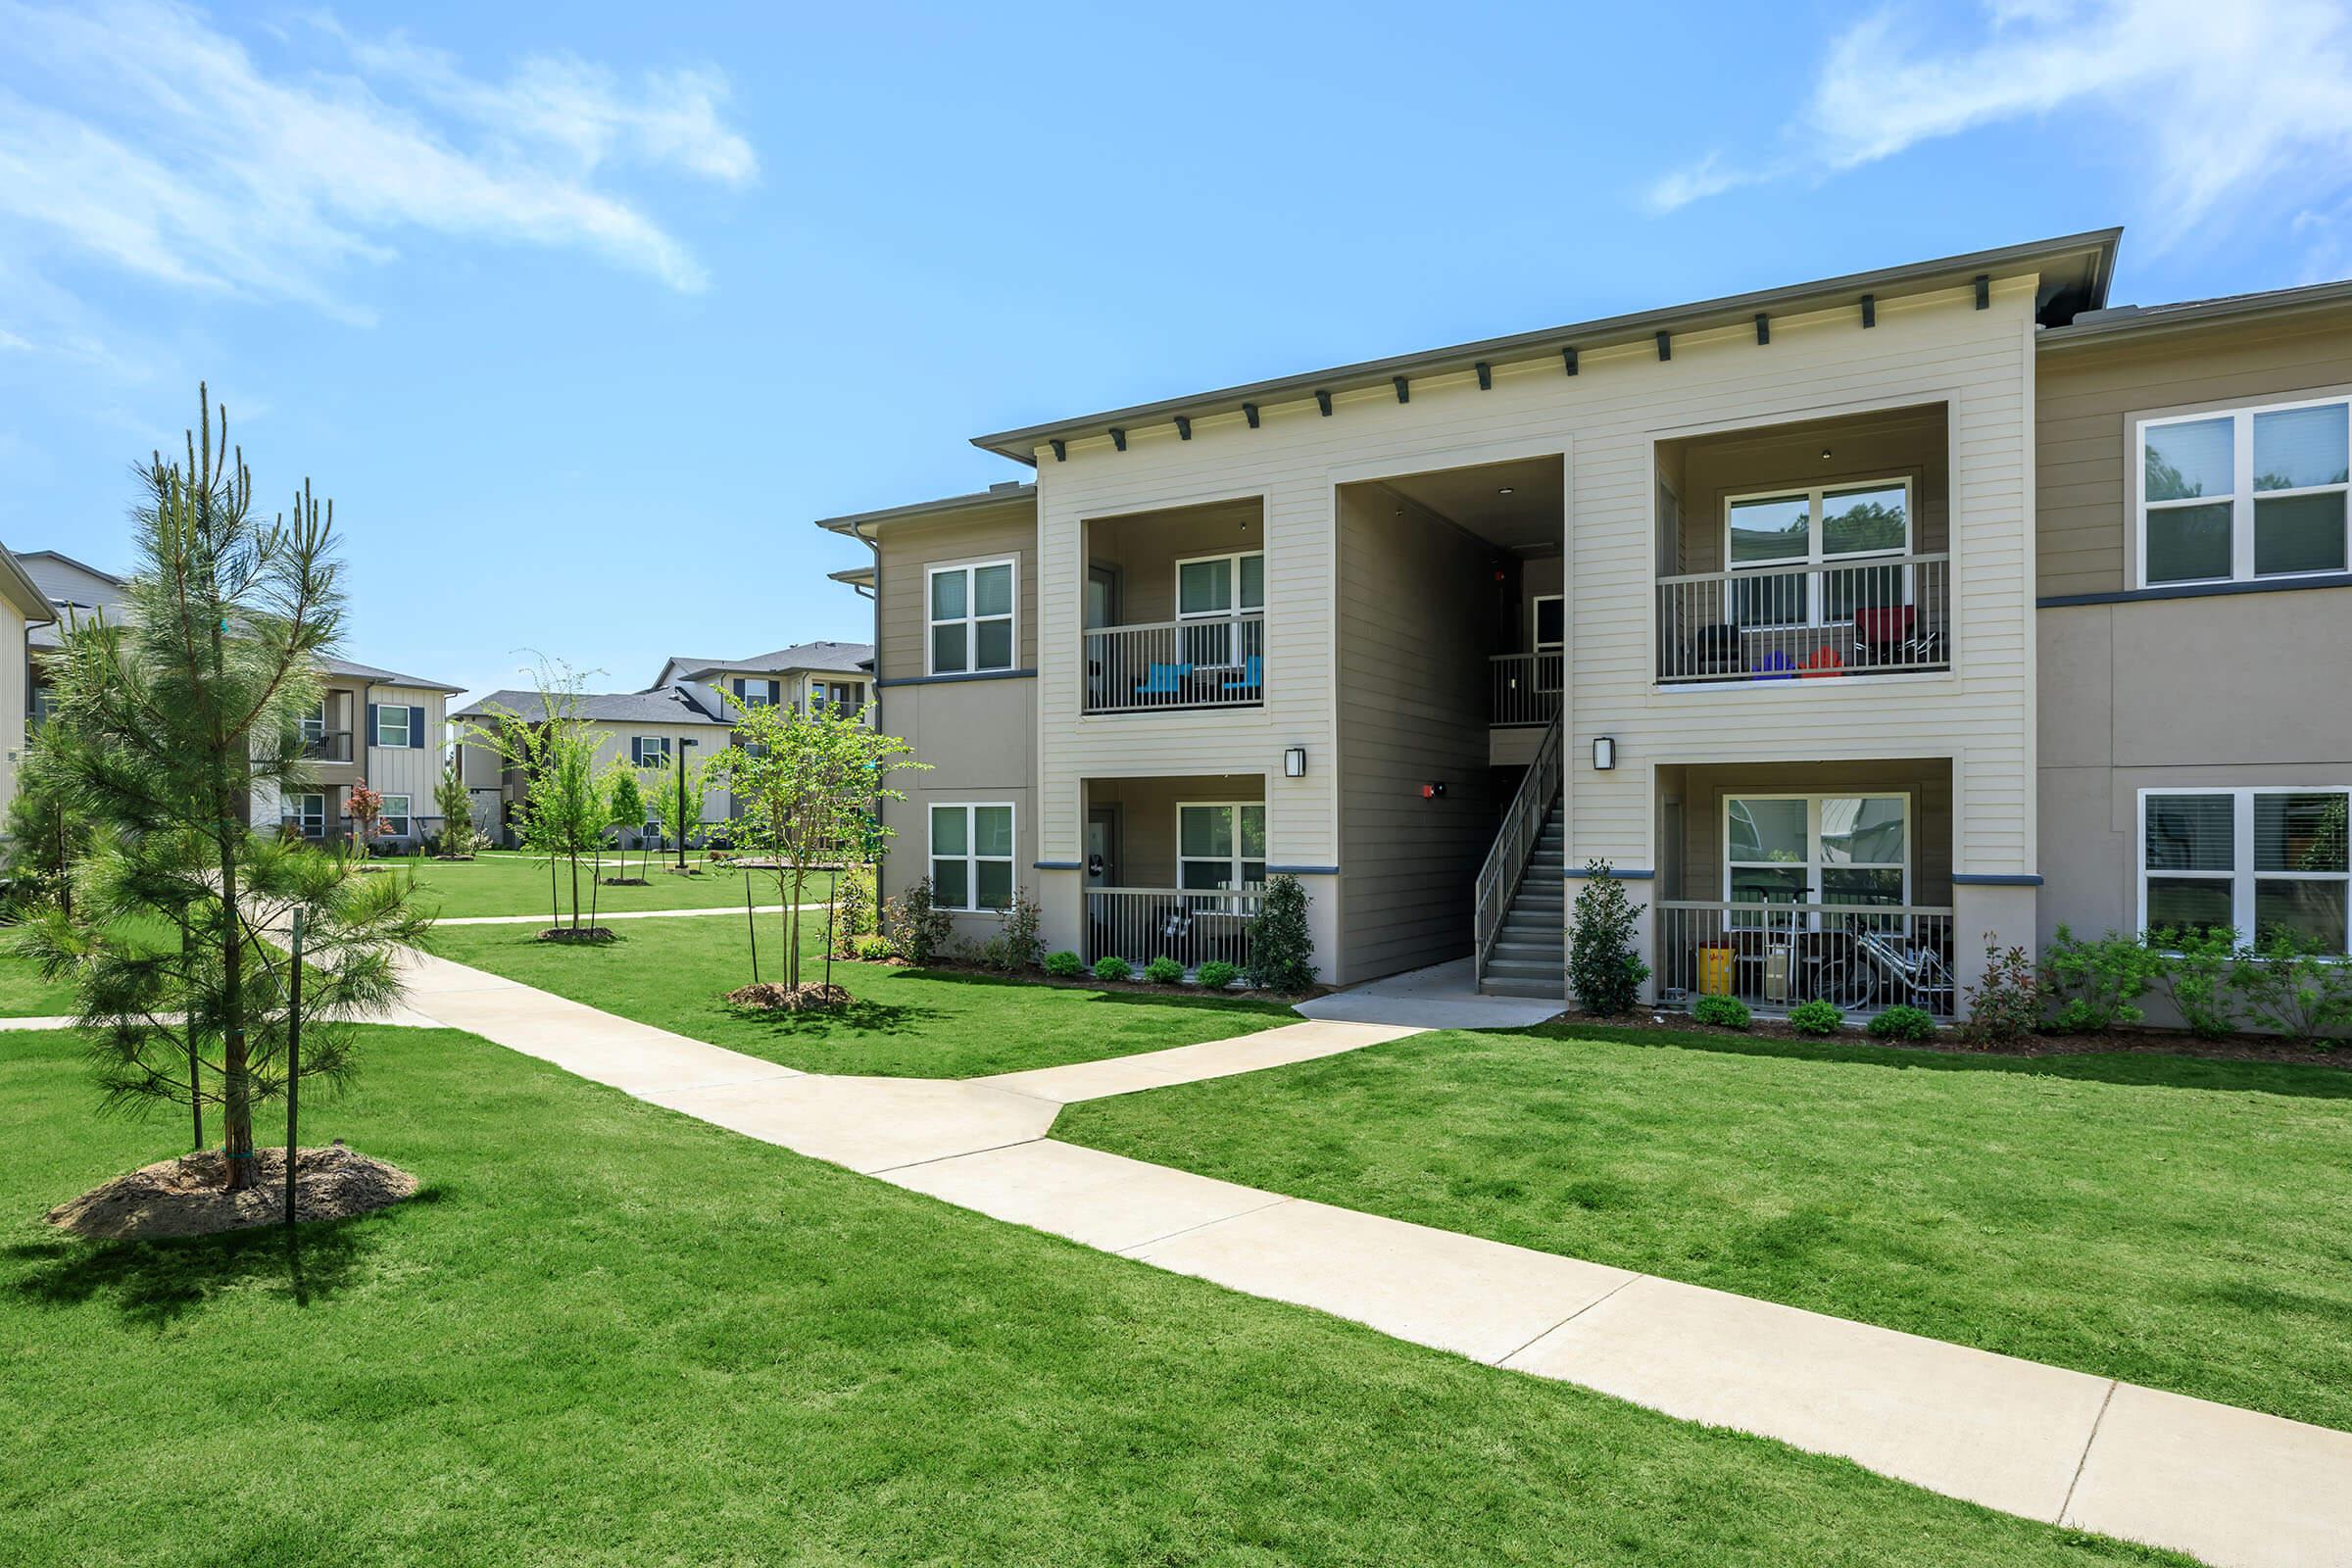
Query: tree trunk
point(574, 856)
point(236, 1108)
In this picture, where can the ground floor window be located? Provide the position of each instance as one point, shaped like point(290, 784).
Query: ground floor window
point(2256, 862)
point(1817, 848)
point(1221, 844)
point(395, 816)
point(308, 813)
point(971, 856)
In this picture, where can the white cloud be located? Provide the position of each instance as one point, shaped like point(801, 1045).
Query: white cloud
point(137, 131)
point(2219, 101)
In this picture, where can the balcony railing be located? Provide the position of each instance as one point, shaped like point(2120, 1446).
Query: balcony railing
point(1190, 926)
point(1215, 661)
point(1863, 617)
point(327, 746)
point(1861, 957)
point(1524, 688)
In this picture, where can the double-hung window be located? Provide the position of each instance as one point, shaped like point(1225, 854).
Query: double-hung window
point(649, 751)
point(1221, 844)
point(971, 610)
point(757, 693)
point(1217, 589)
point(2244, 494)
point(1803, 557)
point(971, 856)
point(2254, 861)
point(392, 725)
point(395, 816)
point(308, 813)
point(1817, 848)
point(313, 724)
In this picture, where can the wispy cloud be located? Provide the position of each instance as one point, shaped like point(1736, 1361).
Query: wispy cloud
point(138, 132)
point(2222, 101)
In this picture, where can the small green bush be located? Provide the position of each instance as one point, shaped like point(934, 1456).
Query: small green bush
point(2195, 978)
point(1280, 944)
point(1722, 1013)
point(2006, 1005)
point(1604, 968)
point(873, 948)
point(2291, 986)
point(1903, 1022)
point(1164, 971)
point(1816, 1017)
point(1064, 964)
point(2098, 982)
point(1217, 974)
point(1114, 967)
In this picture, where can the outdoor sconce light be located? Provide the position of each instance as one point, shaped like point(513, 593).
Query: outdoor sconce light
point(1294, 762)
point(1433, 792)
point(1604, 752)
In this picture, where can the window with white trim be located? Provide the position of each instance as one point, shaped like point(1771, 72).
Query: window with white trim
point(843, 697)
point(2246, 861)
point(1817, 848)
point(308, 813)
point(392, 725)
point(649, 751)
point(313, 723)
point(1221, 844)
point(971, 856)
point(395, 816)
point(1774, 534)
point(758, 693)
point(972, 617)
point(1220, 585)
point(2244, 494)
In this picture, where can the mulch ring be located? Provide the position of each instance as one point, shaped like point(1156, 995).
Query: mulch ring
point(585, 935)
point(627, 882)
point(806, 997)
point(187, 1196)
point(2111, 1042)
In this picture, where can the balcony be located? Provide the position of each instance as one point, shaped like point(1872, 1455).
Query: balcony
point(1861, 959)
point(1882, 615)
point(1198, 662)
point(1192, 927)
point(1524, 688)
point(326, 746)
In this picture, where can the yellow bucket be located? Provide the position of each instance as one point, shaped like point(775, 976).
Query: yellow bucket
point(1714, 971)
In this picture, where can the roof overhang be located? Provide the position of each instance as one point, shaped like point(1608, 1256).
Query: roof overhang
point(2131, 322)
point(855, 578)
point(851, 523)
point(22, 592)
point(2074, 270)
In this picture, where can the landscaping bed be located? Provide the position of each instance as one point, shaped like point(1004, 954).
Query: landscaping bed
point(2166, 1042)
point(188, 1194)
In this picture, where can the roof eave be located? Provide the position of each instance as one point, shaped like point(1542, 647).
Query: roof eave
point(851, 522)
point(2158, 320)
point(2092, 252)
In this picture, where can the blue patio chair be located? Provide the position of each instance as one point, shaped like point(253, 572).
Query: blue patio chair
point(1164, 680)
point(1775, 665)
point(1252, 675)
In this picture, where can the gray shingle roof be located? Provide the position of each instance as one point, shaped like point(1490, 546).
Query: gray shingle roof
point(664, 705)
point(848, 657)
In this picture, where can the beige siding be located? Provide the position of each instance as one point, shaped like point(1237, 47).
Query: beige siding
point(14, 686)
point(2086, 393)
point(1147, 813)
point(406, 770)
point(1905, 444)
point(1413, 643)
point(1144, 551)
point(908, 548)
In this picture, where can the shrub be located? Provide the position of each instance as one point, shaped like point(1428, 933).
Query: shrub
point(915, 924)
point(1603, 969)
point(2005, 1006)
point(1064, 964)
point(2196, 973)
point(2098, 984)
point(1280, 944)
point(1816, 1017)
point(854, 913)
point(1722, 1013)
point(1164, 971)
point(2288, 985)
point(1903, 1021)
point(1114, 967)
point(1217, 974)
point(873, 948)
point(1023, 949)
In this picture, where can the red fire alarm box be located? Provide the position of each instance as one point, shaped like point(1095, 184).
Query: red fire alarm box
point(1433, 792)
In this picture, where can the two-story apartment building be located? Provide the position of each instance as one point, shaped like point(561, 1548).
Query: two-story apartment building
point(22, 607)
point(1793, 606)
point(372, 725)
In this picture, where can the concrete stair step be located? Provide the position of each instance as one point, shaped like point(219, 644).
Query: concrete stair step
point(1510, 952)
point(1551, 989)
point(1552, 968)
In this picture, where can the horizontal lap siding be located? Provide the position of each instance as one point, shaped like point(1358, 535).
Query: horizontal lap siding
point(909, 549)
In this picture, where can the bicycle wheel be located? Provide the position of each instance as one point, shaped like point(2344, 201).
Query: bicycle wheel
point(1845, 985)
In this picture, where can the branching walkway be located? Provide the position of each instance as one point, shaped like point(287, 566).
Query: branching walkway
point(2232, 1486)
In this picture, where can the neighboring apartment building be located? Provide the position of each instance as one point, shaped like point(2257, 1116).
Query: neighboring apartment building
point(1857, 622)
point(22, 607)
point(372, 725)
point(684, 714)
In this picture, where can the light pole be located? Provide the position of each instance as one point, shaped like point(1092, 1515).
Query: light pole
point(683, 742)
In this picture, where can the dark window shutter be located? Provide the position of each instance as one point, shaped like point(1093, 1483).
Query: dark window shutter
point(368, 739)
point(416, 729)
point(739, 688)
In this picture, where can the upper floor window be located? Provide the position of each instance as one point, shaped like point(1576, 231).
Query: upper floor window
point(2255, 862)
point(843, 696)
point(1221, 585)
point(649, 751)
point(314, 722)
point(1827, 525)
point(972, 617)
point(757, 693)
point(44, 702)
point(2244, 494)
point(392, 725)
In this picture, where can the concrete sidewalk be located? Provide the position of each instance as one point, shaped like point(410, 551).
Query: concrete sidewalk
point(2235, 1487)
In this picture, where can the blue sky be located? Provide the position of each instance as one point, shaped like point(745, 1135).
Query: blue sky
point(580, 318)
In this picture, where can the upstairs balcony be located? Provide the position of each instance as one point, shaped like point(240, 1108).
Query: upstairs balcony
point(1175, 609)
point(1876, 616)
point(1204, 662)
point(326, 745)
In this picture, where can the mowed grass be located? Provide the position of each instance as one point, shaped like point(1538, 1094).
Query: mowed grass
point(906, 1023)
point(500, 882)
point(2179, 1223)
point(24, 994)
point(609, 1335)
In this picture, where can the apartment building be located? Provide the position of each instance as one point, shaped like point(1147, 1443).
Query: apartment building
point(22, 607)
point(1856, 623)
point(372, 725)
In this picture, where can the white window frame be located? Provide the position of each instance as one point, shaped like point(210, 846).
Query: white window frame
point(2241, 876)
point(1813, 863)
point(314, 722)
point(1815, 558)
point(1548, 672)
point(761, 691)
point(384, 710)
point(971, 621)
point(387, 816)
point(2241, 497)
point(643, 746)
point(1233, 863)
point(971, 858)
point(307, 824)
point(1233, 559)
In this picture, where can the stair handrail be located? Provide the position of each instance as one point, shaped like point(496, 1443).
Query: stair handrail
point(1515, 841)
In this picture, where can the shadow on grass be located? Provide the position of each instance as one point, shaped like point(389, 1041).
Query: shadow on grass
point(860, 1016)
point(1135, 998)
point(155, 1282)
point(2152, 1070)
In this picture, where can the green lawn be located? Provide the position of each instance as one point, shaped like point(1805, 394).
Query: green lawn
point(2179, 1223)
point(499, 883)
point(24, 994)
point(607, 1335)
point(906, 1023)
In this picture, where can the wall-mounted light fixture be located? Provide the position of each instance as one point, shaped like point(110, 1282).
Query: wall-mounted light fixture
point(1604, 752)
point(1294, 762)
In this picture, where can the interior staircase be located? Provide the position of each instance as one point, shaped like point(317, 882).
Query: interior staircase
point(1530, 957)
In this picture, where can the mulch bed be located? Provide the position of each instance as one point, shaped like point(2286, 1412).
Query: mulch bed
point(2144, 1042)
point(1088, 982)
point(586, 935)
point(188, 1195)
point(627, 882)
point(806, 997)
